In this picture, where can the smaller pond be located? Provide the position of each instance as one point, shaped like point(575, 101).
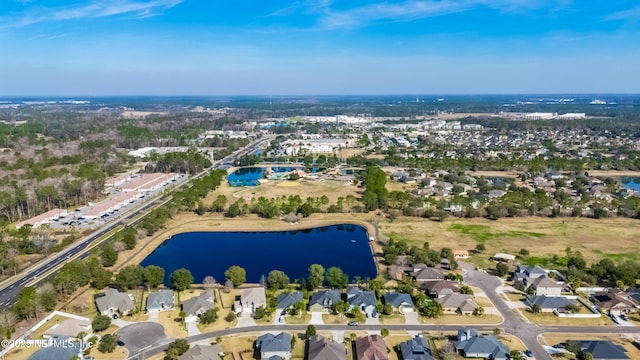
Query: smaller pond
point(631, 183)
point(249, 176)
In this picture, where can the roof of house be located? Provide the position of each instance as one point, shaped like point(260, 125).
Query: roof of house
point(613, 298)
point(159, 298)
point(544, 282)
point(415, 349)
point(325, 298)
point(438, 286)
point(502, 256)
point(253, 295)
point(472, 343)
point(202, 352)
point(198, 304)
point(274, 343)
point(397, 299)
point(285, 300)
point(371, 347)
point(601, 349)
point(114, 299)
point(428, 273)
point(321, 348)
point(363, 298)
point(531, 271)
point(550, 302)
point(70, 328)
point(458, 301)
point(460, 252)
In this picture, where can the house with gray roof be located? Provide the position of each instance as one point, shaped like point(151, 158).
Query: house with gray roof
point(543, 286)
point(603, 350)
point(457, 303)
point(364, 300)
point(399, 301)
point(472, 345)
point(196, 306)
point(524, 273)
point(321, 348)
point(416, 349)
point(160, 300)
point(114, 303)
point(549, 303)
point(251, 299)
point(274, 345)
point(285, 301)
point(323, 300)
point(202, 352)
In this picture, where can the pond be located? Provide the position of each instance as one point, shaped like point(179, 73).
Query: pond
point(248, 176)
point(631, 183)
point(211, 253)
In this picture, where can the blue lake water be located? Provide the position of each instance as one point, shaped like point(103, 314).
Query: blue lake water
point(631, 183)
point(246, 176)
point(211, 253)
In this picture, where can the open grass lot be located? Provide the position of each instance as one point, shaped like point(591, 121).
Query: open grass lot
point(456, 319)
point(347, 153)
point(119, 353)
point(395, 319)
point(556, 338)
point(173, 327)
point(551, 319)
point(543, 237)
point(239, 344)
point(303, 318)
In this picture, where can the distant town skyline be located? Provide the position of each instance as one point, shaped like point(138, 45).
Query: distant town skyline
point(217, 47)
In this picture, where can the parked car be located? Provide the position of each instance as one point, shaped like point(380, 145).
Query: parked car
point(353, 323)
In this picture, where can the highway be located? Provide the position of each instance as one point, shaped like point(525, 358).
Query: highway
point(42, 271)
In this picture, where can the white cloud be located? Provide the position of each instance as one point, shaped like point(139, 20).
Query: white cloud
point(95, 9)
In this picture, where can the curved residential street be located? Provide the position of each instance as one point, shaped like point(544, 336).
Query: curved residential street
point(513, 323)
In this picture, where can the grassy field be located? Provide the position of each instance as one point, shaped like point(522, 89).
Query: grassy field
point(543, 237)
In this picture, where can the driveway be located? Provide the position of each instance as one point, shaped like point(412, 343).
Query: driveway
point(154, 316)
point(316, 318)
point(411, 318)
point(245, 319)
point(141, 336)
point(192, 328)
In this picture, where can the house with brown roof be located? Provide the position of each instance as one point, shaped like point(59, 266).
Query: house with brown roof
point(423, 273)
point(437, 289)
point(460, 254)
point(202, 352)
point(614, 301)
point(371, 347)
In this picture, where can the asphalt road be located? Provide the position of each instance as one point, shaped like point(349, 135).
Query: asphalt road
point(36, 274)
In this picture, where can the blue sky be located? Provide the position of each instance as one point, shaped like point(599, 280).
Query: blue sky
point(271, 47)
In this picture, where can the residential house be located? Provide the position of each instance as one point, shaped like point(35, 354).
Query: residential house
point(507, 258)
point(321, 348)
point(603, 350)
point(251, 299)
point(114, 303)
point(287, 300)
point(69, 328)
point(416, 349)
point(274, 345)
point(323, 300)
point(437, 289)
point(371, 347)
point(423, 273)
point(494, 194)
point(457, 303)
point(53, 352)
point(614, 301)
point(202, 352)
point(196, 306)
point(550, 303)
point(634, 293)
point(364, 300)
point(400, 302)
point(472, 345)
point(160, 300)
point(543, 286)
point(525, 274)
point(460, 254)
